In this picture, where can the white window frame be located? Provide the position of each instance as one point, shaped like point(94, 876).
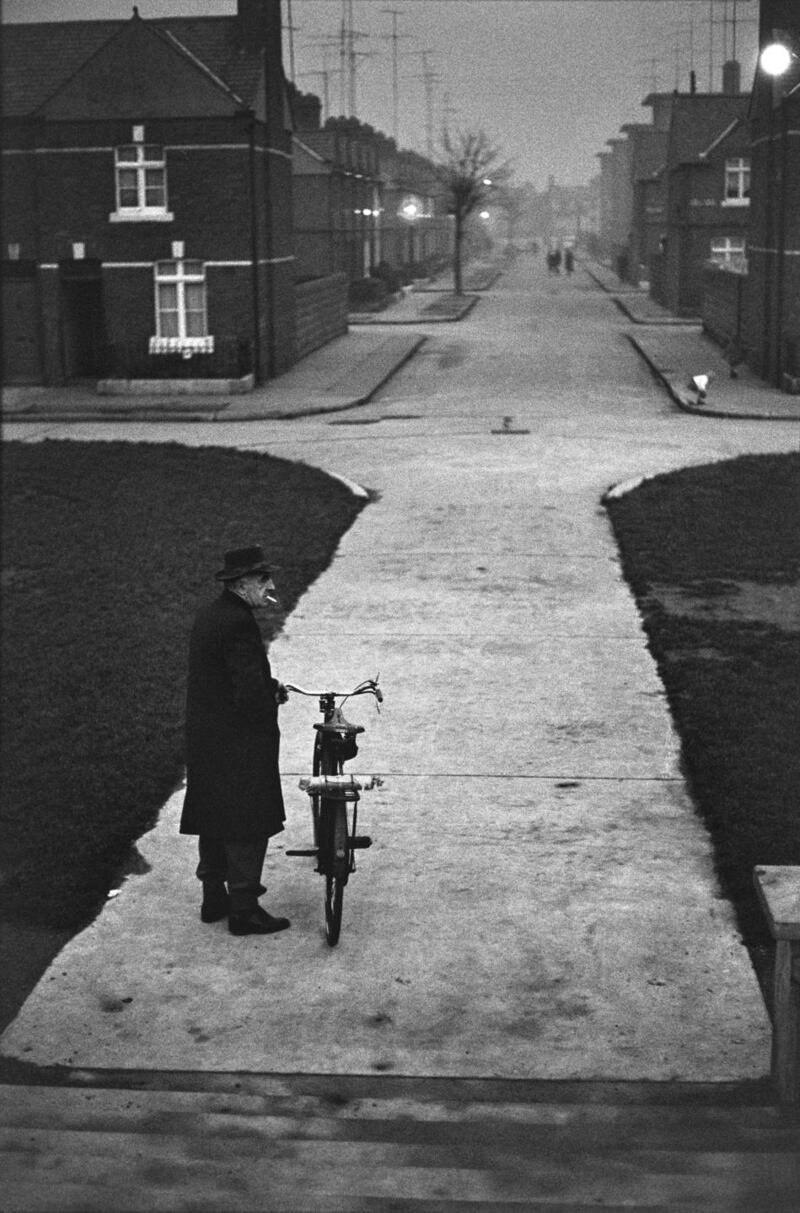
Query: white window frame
point(737, 175)
point(178, 273)
point(141, 166)
point(730, 253)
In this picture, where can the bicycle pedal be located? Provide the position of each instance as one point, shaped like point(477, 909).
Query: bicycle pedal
point(312, 854)
point(360, 842)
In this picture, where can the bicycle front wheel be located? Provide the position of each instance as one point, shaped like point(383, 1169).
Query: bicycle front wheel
point(336, 877)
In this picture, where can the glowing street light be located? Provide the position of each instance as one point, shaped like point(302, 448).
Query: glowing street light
point(775, 59)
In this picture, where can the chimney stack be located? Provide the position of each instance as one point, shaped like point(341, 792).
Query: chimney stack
point(306, 111)
point(731, 78)
point(255, 19)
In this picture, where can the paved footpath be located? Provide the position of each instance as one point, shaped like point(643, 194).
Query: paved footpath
point(540, 904)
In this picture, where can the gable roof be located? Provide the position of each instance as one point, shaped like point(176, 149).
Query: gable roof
point(39, 58)
point(697, 121)
point(721, 138)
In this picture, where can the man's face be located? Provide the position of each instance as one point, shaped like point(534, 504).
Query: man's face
point(259, 590)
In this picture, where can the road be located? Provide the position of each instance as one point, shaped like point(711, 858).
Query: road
point(539, 903)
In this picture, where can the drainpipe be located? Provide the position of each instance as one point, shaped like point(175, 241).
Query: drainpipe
point(254, 254)
point(781, 254)
point(269, 238)
point(769, 243)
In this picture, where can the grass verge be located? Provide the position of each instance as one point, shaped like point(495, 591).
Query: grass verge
point(712, 555)
point(107, 551)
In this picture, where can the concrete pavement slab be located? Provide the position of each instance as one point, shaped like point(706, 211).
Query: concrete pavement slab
point(342, 374)
point(634, 299)
point(540, 900)
point(473, 983)
point(419, 307)
point(676, 356)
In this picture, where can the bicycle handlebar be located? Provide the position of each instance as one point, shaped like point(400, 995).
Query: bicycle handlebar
point(368, 687)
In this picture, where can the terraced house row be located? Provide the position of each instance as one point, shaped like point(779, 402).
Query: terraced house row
point(703, 202)
point(152, 181)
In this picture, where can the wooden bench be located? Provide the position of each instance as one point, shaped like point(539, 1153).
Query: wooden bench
point(779, 891)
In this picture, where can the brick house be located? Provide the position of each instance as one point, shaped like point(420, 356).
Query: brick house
point(706, 190)
point(146, 227)
point(415, 226)
point(649, 201)
point(337, 191)
point(360, 201)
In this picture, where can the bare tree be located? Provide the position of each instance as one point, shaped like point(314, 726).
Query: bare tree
point(469, 168)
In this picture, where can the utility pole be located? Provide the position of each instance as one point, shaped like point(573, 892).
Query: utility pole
point(327, 72)
point(395, 37)
point(348, 58)
point(653, 63)
point(290, 27)
point(448, 111)
point(429, 78)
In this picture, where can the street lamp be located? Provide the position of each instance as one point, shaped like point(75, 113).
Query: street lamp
point(410, 210)
point(776, 59)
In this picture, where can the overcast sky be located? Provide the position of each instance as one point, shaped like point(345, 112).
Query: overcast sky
point(550, 81)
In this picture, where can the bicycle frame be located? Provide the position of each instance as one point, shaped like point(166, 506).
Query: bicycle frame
point(330, 792)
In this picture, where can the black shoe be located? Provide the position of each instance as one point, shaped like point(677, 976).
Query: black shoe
point(257, 922)
point(215, 907)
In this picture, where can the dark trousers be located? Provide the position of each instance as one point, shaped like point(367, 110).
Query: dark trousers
point(237, 864)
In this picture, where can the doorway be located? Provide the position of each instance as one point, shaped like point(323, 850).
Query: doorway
point(22, 360)
point(83, 324)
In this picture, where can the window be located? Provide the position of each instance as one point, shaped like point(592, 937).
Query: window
point(140, 171)
point(729, 252)
point(737, 182)
point(181, 309)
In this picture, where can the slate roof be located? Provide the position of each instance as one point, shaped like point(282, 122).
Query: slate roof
point(697, 121)
point(38, 58)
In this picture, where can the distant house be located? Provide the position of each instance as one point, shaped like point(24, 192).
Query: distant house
point(360, 201)
point(146, 226)
point(337, 192)
point(415, 226)
point(649, 193)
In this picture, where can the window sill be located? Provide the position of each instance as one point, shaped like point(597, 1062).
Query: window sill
point(186, 346)
point(735, 201)
point(141, 217)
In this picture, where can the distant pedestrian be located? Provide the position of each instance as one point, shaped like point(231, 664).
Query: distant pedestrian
point(569, 260)
point(233, 796)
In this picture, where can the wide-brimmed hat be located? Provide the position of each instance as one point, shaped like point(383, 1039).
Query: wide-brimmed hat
point(242, 561)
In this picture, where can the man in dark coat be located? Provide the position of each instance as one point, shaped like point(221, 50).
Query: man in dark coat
point(233, 791)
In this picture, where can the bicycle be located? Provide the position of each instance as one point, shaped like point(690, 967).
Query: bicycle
point(330, 792)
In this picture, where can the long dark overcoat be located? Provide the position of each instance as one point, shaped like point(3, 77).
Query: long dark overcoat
point(233, 788)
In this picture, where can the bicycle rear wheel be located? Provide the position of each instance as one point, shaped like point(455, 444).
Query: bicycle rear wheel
point(332, 841)
point(336, 878)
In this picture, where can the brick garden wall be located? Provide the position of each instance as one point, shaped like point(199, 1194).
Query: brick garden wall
point(723, 294)
point(320, 312)
point(658, 288)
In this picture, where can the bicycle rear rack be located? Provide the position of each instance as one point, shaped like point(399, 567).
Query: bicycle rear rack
point(338, 787)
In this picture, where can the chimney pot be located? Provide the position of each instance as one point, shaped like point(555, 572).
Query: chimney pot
point(731, 78)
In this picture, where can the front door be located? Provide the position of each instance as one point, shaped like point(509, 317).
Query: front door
point(22, 361)
point(83, 325)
